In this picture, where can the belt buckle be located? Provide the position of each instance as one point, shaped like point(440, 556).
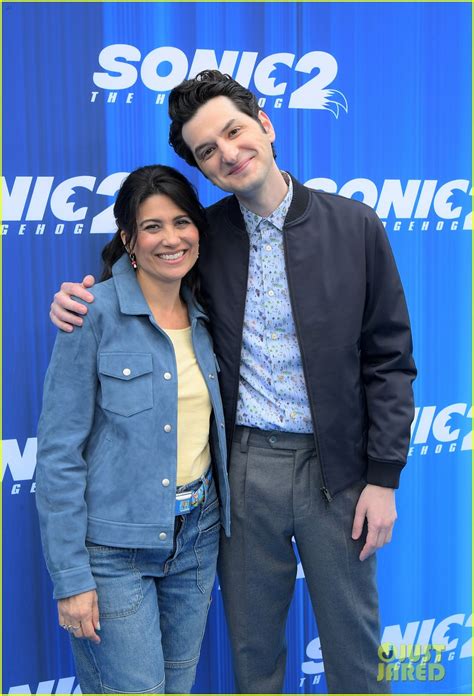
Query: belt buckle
point(188, 500)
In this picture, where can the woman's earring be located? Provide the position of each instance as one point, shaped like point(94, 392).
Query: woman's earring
point(133, 260)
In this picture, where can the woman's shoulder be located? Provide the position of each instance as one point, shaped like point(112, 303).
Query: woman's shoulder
point(105, 299)
point(105, 290)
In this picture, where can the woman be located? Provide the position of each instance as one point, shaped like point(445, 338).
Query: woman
point(126, 496)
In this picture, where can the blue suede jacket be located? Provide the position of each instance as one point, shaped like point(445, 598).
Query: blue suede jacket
point(107, 445)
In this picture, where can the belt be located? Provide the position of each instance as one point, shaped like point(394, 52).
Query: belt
point(188, 500)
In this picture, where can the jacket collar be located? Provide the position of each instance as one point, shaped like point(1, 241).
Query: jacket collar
point(130, 296)
point(298, 205)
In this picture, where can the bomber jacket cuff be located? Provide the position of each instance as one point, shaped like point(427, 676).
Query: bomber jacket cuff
point(382, 473)
point(72, 582)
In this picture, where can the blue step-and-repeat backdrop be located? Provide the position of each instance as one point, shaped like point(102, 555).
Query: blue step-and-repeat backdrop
point(370, 100)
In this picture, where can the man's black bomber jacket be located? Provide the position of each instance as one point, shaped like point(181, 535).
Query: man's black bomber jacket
point(352, 326)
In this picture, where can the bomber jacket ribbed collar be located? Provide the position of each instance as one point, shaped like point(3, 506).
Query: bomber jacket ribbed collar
point(298, 206)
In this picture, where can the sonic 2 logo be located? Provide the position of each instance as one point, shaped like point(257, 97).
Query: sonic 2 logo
point(445, 430)
point(416, 633)
point(120, 73)
point(22, 465)
point(29, 201)
point(62, 686)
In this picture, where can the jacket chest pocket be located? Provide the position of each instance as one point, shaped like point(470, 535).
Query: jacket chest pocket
point(127, 382)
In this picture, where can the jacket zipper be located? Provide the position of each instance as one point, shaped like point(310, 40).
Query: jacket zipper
point(324, 489)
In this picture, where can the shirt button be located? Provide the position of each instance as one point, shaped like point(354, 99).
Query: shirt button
point(271, 293)
point(167, 428)
point(268, 247)
point(222, 425)
point(293, 415)
point(165, 482)
point(162, 536)
point(126, 371)
point(211, 375)
point(274, 336)
point(167, 375)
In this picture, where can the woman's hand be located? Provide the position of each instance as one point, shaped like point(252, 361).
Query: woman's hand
point(81, 612)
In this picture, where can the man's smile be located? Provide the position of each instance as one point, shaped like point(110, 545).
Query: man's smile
point(240, 167)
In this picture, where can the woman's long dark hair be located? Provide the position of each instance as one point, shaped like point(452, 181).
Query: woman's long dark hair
point(137, 187)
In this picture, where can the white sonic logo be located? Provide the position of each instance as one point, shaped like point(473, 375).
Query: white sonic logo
point(120, 73)
point(436, 430)
point(28, 200)
point(22, 465)
point(422, 632)
point(63, 686)
point(412, 202)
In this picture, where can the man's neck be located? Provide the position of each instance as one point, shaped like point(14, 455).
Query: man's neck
point(268, 197)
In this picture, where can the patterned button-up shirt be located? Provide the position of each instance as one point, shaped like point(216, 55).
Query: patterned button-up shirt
point(272, 390)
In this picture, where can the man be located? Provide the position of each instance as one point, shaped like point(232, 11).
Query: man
point(313, 340)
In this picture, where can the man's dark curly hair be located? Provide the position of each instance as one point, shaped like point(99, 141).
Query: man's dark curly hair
point(186, 98)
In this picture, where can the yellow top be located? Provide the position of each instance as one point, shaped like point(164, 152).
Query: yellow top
point(194, 410)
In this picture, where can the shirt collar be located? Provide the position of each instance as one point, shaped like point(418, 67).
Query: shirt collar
point(277, 218)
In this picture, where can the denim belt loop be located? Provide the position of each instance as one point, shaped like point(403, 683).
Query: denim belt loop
point(244, 440)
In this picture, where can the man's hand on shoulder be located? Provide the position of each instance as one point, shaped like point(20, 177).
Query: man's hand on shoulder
point(377, 504)
point(64, 310)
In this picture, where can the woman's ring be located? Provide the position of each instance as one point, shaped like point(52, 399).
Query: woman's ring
point(69, 628)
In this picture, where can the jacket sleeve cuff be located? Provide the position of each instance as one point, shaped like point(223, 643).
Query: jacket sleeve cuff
point(386, 474)
point(72, 582)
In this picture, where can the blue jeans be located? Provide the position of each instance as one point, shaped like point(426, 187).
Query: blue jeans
point(153, 610)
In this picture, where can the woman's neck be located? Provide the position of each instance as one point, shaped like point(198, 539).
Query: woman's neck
point(164, 299)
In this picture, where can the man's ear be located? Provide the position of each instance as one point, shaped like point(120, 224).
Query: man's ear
point(266, 124)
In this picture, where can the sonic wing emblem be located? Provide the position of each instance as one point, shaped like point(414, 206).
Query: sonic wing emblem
point(333, 100)
point(314, 93)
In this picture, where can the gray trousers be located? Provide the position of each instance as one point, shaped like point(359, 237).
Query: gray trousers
point(275, 483)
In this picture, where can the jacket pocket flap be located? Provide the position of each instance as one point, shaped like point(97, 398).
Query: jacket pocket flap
point(125, 365)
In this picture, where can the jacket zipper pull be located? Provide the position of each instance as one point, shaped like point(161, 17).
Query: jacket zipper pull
point(326, 494)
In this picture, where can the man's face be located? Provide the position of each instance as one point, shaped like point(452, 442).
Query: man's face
point(231, 149)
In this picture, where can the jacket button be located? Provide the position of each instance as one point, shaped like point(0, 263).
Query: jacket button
point(167, 375)
point(167, 428)
point(162, 536)
point(126, 371)
point(165, 483)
